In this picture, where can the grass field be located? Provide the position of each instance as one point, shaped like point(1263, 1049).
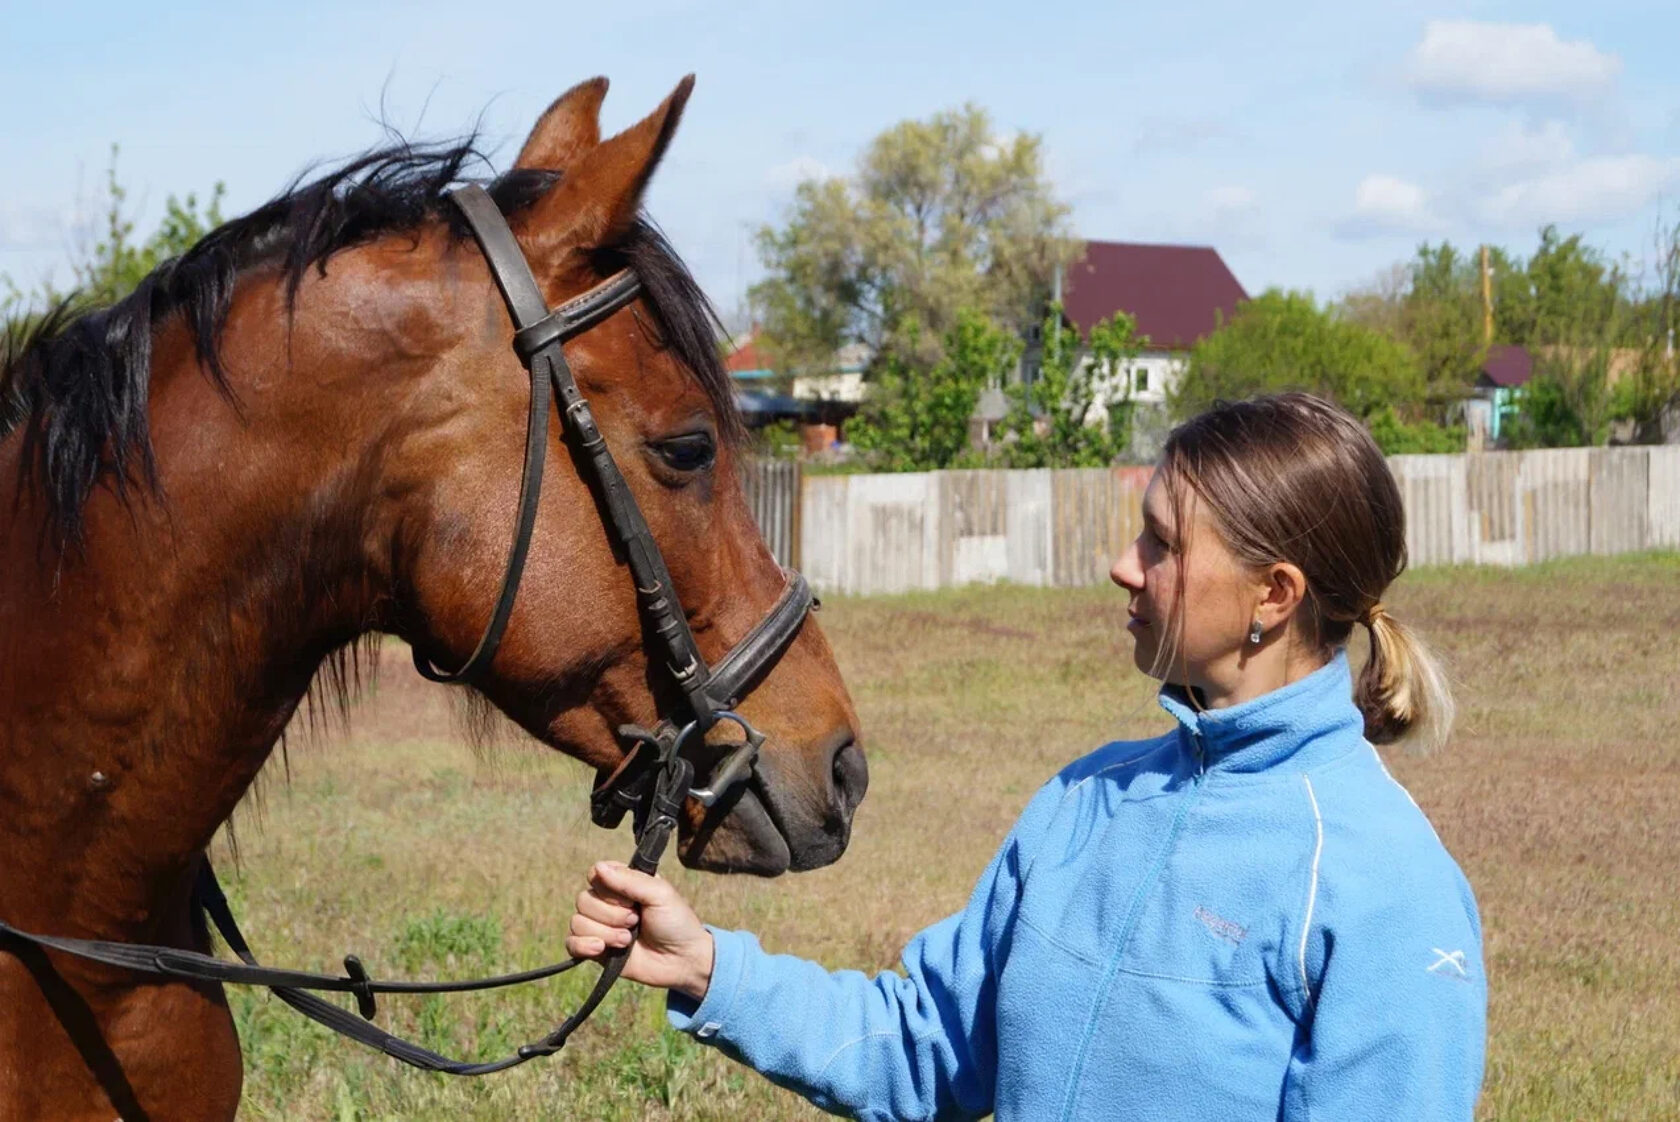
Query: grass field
point(1560, 796)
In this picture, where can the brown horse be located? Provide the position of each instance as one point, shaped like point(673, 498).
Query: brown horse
point(307, 430)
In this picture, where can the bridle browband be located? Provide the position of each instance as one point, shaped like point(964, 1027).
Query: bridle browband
point(654, 778)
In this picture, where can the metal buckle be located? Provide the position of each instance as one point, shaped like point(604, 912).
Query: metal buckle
point(735, 768)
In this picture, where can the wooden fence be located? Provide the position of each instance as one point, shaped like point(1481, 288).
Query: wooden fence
point(772, 488)
point(865, 534)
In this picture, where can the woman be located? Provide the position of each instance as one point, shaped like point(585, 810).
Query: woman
point(1243, 918)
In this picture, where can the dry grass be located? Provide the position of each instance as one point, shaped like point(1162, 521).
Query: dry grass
point(1560, 796)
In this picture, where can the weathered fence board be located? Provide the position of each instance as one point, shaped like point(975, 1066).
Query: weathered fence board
point(886, 533)
point(773, 493)
point(1618, 499)
point(1556, 493)
point(1095, 512)
point(1663, 504)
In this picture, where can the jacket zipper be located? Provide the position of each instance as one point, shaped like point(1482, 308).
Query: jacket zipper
point(1126, 929)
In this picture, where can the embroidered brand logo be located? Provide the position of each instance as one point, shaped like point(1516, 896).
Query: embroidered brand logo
point(1233, 933)
point(1449, 964)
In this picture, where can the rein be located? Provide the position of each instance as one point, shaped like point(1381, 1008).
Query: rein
point(653, 780)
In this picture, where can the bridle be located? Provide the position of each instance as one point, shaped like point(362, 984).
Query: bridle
point(709, 692)
point(654, 778)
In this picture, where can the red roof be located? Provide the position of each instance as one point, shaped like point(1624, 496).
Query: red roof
point(1508, 365)
point(1177, 293)
point(745, 357)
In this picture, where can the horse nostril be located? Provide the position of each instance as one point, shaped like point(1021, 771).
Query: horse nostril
point(850, 776)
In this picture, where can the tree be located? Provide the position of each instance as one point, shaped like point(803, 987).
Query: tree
point(1574, 295)
point(1441, 321)
point(916, 419)
point(112, 267)
point(1582, 327)
point(1285, 341)
point(116, 265)
point(1049, 422)
point(941, 216)
point(1398, 437)
point(1650, 398)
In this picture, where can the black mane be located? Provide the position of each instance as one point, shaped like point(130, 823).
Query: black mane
point(76, 382)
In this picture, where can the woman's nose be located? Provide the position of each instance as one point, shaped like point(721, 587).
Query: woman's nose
point(1126, 571)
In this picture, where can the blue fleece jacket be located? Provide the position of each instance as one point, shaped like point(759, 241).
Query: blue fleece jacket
point(1245, 918)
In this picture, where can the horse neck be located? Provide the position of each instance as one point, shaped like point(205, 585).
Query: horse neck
point(144, 682)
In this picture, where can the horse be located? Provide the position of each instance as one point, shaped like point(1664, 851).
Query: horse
point(302, 435)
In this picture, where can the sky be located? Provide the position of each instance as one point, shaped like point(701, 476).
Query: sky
point(1314, 144)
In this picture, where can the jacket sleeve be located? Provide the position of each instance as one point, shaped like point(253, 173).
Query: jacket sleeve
point(1395, 1014)
point(911, 1046)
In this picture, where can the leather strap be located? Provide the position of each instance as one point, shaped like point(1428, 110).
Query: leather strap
point(738, 671)
point(654, 781)
point(530, 493)
point(539, 333)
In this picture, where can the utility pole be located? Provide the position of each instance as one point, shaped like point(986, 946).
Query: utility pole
point(1056, 299)
point(1487, 300)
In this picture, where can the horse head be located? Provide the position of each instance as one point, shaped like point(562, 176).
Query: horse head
point(576, 663)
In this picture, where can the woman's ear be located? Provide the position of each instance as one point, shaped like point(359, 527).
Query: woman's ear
point(1282, 589)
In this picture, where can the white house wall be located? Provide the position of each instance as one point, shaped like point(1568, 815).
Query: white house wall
point(847, 386)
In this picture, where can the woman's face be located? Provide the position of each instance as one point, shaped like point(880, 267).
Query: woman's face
point(1168, 562)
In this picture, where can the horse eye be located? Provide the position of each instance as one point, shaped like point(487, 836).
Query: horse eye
point(693, 452)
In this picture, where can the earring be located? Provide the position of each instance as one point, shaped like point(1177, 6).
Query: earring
point(1254, 632)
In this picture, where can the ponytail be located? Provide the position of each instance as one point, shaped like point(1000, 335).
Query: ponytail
point(1402, 691)
point(1297, 479)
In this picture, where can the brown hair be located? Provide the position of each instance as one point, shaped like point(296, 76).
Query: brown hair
point(1294, 478)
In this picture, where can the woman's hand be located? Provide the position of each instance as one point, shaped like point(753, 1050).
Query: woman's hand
point(674, 951)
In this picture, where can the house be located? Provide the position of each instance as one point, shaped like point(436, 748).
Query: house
point(843, 382)
point(1494, 398)
point(1177, 294)
point(819, 417)
point(743, 359)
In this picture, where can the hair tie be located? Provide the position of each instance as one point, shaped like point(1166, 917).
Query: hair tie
point(1369, 619)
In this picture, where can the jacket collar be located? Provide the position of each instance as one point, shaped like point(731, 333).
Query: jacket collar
point(1307, 722)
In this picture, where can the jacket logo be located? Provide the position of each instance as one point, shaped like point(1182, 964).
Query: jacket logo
point(1449, 964)
point(1233, 933)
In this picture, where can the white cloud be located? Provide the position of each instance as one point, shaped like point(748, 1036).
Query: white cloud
point(785, 177)
point(1231, 200)
point(1525, 149)
point(1387, 204)
point(1163, 135)
point(1601, 188)
point(1464, 60)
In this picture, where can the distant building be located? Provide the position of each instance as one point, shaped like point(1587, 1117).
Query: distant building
point(743, 359)
point(844, 382)
point(1178, 294)
point(818, 415)
point(1496, 396)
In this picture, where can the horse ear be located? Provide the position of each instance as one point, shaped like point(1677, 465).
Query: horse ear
point(599, 197)
point(567, 130)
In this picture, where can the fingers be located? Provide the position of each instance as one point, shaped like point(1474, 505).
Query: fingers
point(585, 946)
point(605, 910)
point(623, 884)
point(583, 927)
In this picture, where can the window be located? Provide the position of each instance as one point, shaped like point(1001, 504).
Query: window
point(1140, 379)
